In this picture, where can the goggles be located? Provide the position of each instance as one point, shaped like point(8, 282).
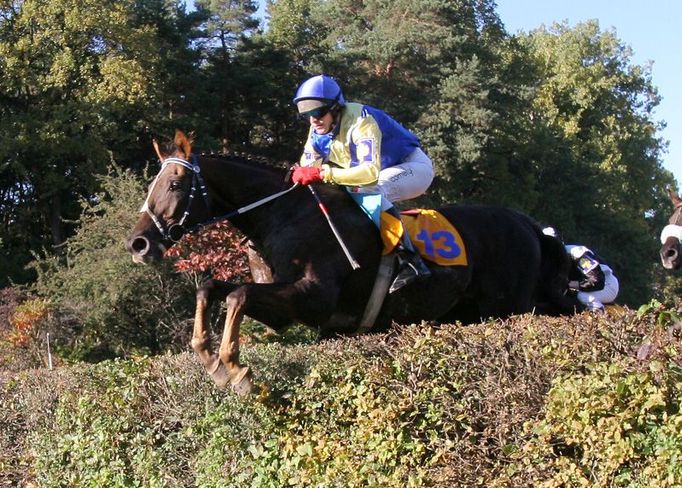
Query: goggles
point(316, 113)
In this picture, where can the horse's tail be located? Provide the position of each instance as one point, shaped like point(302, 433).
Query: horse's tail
point(552, 298)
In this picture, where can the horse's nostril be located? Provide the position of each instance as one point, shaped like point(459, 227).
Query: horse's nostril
point(671, 253)
point(140, 245)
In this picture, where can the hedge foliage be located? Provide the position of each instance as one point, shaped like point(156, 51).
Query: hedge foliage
point(591, 400)
point(106, 306)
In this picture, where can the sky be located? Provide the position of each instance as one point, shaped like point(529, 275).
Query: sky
point(650, 27)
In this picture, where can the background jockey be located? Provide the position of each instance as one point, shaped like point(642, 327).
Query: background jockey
point(590, 277)
point(364, 148)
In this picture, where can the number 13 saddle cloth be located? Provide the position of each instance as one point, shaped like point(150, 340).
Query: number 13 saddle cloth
point(433, 235)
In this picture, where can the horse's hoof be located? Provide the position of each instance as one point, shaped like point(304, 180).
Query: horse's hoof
point(242, 384)
point(220, 376)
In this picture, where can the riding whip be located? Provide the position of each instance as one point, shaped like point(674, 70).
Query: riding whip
point(354, 264)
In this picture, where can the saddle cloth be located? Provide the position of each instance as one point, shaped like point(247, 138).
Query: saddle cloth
point(433, 235)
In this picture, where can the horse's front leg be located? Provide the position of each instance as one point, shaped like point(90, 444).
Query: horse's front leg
point(275, 305)
point(207, 294)
point(238, 375)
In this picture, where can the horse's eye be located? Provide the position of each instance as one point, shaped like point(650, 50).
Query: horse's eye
point(175, 185)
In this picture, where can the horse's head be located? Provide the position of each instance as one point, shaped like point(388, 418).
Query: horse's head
point(671, 235)
point(169, 203)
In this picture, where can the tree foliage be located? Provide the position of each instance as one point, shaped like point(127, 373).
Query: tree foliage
point(107, 305)
point(218, 249)
point(597, 107)
point(76, 77)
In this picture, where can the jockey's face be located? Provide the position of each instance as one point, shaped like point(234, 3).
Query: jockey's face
point(322, 125)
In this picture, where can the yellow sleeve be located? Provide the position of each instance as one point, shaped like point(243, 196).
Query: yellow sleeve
point(310, 156)
point(365, 135)
point(363, 174)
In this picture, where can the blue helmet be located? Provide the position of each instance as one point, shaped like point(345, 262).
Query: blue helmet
point(318, 91)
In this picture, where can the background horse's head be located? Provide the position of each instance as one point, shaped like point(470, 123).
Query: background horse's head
point(671, 236)
point(171, 197)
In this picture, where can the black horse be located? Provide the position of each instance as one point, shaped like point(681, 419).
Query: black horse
point(671, 235)
point(512, 267)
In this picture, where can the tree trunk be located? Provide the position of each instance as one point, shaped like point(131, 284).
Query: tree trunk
point(56, 227)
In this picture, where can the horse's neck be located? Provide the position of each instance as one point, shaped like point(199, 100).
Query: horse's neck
point(234, 183)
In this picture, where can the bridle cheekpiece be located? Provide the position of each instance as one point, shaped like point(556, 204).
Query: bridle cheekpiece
point(174, 232)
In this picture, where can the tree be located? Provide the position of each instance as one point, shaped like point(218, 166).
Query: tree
point(226, 26)
point(602, 162)
point(395, 54)
point(76, 76)
point(105, 305)
point(558, 122)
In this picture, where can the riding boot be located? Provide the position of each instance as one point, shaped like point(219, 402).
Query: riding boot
point(411, 267)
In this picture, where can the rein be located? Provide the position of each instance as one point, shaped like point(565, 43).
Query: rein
point(176, 231)
point(241, 210)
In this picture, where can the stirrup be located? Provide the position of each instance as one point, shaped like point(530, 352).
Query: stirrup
point(409, 271)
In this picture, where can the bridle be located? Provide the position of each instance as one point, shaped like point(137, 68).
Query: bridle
point(676, 217)
point(174, 232)
point(674, 227)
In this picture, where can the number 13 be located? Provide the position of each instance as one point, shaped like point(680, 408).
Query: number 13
point(440, 242)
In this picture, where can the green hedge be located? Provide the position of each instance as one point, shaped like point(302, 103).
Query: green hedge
point(591, 400)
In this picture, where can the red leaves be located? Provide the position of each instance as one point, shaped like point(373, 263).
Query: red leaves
point(26, 321)
point(217, 248)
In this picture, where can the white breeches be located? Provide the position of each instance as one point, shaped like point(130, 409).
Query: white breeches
point(404, 181)
point(595, 300)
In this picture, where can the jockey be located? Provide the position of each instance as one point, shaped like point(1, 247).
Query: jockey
point(365, 149)
point(590, 277)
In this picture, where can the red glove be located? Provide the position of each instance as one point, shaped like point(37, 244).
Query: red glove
point(306, 175)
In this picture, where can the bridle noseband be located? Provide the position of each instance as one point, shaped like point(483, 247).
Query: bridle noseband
point(174, 232)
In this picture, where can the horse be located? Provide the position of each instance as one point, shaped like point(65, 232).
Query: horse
point(512, 268)
point(671, 235)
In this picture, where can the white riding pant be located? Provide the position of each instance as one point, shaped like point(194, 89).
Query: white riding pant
point(595, 300)
point(408, 179)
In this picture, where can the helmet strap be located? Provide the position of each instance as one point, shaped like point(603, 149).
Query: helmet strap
point(336, 113)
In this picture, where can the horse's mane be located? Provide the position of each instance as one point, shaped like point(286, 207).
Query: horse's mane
point(247, 158)
point(169, 146)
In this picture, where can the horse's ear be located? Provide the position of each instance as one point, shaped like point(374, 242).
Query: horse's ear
point(155, 143)
point(183, 143)
point(674, 197)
